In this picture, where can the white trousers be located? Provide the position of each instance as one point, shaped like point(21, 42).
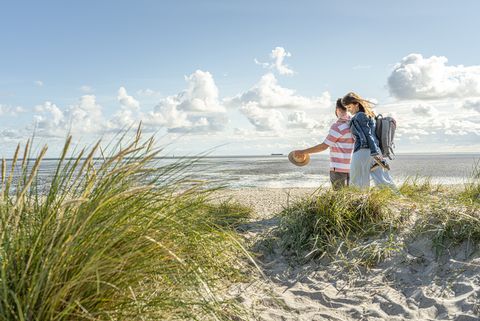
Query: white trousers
point(360, 171)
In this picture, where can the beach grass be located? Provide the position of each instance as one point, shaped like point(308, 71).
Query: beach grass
point(417, 187)
point(372, 253)
point(451, 226)
point(228, 213)
point(114, 238)
point(334, 220)
point(471, 191)
point(366, 227)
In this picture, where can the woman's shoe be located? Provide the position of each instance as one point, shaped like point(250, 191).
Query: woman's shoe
point(381, 162)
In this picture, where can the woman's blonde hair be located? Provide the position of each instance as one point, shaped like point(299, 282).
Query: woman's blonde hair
point(365, 105)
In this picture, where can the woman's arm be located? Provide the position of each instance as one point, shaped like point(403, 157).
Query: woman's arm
point(368, 131)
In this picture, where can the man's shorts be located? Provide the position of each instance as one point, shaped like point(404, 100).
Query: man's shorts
point(339, 179)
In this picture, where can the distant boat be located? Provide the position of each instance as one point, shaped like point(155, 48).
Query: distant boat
point(274, 154)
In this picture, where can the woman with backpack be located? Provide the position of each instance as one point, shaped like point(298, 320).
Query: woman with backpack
point(366, 158)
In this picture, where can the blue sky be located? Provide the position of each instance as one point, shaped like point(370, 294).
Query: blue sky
point(187, 68)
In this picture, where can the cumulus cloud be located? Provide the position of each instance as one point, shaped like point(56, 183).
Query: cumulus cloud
point(50, 120)
point(10, 110)
point(201, 94)
point(299, 119)
point(38, 83)
point(278, 55)
point(128, 114)
point(196, 109)
point(268, 94)
point(11, 134)
point(439, 126)
point(266, 104)
point(86, 116)
point(83, 118)
point(262, 119)
point(416, 77)
point(472, 105)
point(126, 100)
point(424, 110)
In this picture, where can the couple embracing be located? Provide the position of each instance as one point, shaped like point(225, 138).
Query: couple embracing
point(352, 134)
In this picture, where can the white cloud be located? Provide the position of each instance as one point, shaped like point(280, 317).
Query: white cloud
point(49, 120)
point(10, 110)
point(265, 105)
point(196, 109)
point(166, 114)
point(268, 94)
point(126, 100)
point(201, 94)
point(83, 118)
point(86, 89)
point(129, 113)
point(262, 119)
point(147, 92)
point(38, 83)
point(416, 77)
point(418, 131)
point(472, 104)
point(424, 110)
point(86, 117)
point(299, 119)
point(435, 127)
point(278, 55)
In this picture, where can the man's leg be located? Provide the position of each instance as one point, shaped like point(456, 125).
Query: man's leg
point(338, 179)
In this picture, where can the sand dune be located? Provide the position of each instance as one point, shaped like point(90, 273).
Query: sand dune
point(414, 284)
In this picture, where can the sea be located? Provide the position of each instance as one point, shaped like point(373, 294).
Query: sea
point(275, 171)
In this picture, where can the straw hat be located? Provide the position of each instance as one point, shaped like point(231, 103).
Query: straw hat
point(298, 160)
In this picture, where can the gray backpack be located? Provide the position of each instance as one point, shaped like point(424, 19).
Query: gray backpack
point(385, 131)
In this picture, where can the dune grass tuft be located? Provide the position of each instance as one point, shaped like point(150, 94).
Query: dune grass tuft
point(333, 219)
point(115, 238)
point(417, 187)
point(471, 191)
point(450, 225)
point(376, 251)
point(228, 213)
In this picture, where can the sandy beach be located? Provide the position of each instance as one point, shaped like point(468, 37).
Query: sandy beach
point(414, 284)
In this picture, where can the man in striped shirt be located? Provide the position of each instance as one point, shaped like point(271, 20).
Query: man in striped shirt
point(340, 142)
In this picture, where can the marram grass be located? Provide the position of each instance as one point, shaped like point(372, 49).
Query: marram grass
point(471, 191)
point(332, 219)
point(418, 188)
point(366, 227)
point(112, 239)
point(449, 223)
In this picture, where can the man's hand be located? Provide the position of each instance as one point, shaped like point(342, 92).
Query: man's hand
point(300, 155)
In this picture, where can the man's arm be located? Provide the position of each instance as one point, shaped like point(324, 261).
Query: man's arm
point(315, 149)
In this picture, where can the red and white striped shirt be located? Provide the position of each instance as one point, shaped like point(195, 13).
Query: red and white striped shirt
point(341, 143)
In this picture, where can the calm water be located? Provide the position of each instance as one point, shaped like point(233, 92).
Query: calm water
point(277, 171)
